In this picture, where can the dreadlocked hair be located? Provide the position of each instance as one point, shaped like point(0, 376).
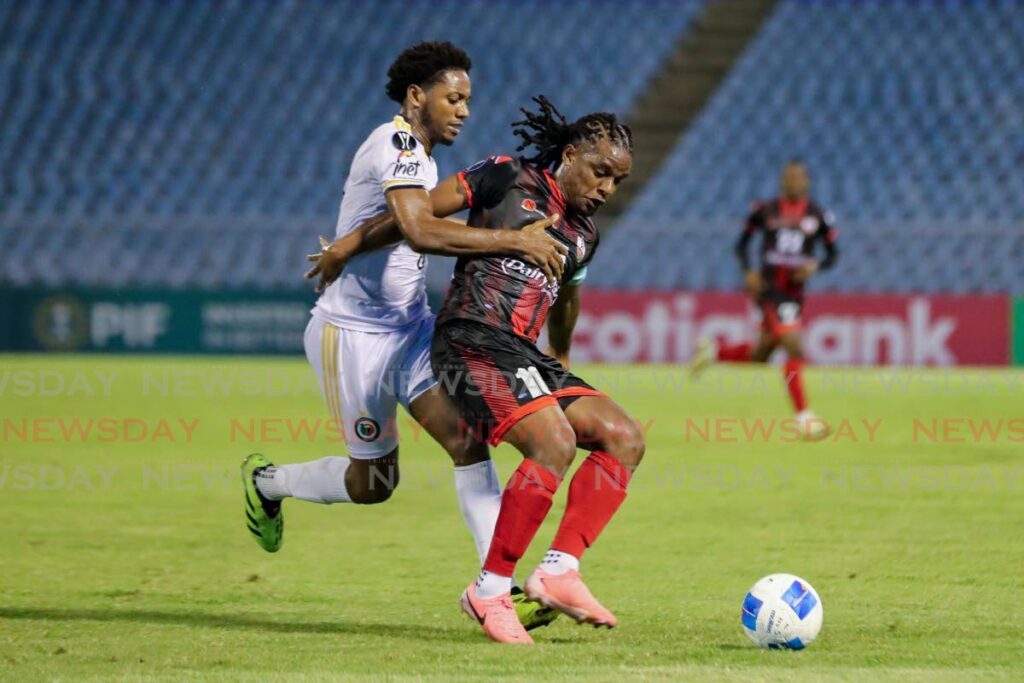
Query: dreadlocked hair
point(548, 132)
point(422, 64)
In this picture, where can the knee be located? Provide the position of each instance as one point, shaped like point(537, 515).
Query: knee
point(791, 345)
point(373, 482)
point(624, 440)
point(466, 450)
point(371, 495)
point(556, 449)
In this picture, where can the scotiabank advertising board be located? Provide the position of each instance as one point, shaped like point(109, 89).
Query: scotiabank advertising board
point(860, 329)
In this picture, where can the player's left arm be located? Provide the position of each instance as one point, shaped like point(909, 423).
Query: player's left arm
point(562, 321)
point(827, 233)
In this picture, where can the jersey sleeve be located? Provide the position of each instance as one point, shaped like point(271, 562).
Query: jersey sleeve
point(755, 219)
point(400, 161)
point(579, 276)
point(486, 182)
point(827, 226)
point(829, 233)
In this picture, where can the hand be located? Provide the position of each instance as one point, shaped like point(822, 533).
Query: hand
point(804, 272)
point(561, 358)
point(331, 259)
point(534, 245)
point(752, 283)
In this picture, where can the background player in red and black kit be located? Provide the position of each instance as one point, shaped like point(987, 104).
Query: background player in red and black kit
point(484, 353)
point(791, 226)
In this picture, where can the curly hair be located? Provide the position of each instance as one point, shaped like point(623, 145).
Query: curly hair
point(422, 65)
point(548, 132)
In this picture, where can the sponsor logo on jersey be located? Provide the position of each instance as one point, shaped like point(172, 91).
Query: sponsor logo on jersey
point(581, 248)
point(405, 142)
point(511, 265)
point(367, 429)
point(407, 169)
point(536, 275)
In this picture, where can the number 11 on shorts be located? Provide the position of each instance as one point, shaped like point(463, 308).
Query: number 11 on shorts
point(533, 381)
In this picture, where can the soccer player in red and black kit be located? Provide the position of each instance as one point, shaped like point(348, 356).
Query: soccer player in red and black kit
point(790, 226)
point(506, 389)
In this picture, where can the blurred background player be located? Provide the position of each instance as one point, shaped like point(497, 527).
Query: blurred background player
point(369, 336)
point(790, 227)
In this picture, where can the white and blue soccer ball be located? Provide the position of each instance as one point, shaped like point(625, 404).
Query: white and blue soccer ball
point(782, 611)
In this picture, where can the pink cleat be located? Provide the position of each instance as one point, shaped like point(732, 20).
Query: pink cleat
point(567, 593)
point(497, 616)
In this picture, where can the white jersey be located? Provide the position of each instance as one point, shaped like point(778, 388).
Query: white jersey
point(385, 289)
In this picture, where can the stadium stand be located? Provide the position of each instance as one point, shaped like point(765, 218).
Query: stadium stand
point(206, 143)
point(911, 117)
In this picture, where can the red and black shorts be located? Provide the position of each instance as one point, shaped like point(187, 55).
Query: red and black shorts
point(781, 314)
point(497, 378)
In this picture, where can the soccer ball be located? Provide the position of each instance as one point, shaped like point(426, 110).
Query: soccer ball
point(782, 611)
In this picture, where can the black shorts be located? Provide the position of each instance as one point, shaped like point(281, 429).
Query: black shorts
point(497, 378)
point(781, 313)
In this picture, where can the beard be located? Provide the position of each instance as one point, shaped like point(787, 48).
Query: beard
point(427, 121)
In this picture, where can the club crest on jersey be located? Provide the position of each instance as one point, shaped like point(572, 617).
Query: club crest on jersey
point(581, 248)
point(405, 142)
point(530, 205)
point(367, 429)
point(809, 224)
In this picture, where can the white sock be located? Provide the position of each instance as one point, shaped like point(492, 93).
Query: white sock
point(490, 585)
point(557, 562)
point(319, 481)
point(479, 496)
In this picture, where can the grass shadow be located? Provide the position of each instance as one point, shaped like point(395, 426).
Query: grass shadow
point(231, 621)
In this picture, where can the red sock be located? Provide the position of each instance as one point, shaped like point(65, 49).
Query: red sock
point(735, 353)
point(794, 375)
point(596, 492)
point(524, 505)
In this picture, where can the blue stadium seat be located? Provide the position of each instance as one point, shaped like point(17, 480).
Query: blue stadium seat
point(124, 120)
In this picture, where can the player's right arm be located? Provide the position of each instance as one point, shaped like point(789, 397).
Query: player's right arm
point(415, 212)
point(437, 235)
point(419, 218)
point(751, 276)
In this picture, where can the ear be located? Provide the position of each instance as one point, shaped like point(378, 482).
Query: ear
point(569, 153)
point(417, 96)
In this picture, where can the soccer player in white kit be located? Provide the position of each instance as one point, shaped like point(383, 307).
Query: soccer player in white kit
point(370, 332)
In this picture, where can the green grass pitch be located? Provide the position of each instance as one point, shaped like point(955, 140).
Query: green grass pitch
point(124, 553)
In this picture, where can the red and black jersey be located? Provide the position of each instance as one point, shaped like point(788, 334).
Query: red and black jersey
point(790, 231)
point(507, 193)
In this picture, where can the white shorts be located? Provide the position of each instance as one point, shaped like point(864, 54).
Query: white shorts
point(365, 375)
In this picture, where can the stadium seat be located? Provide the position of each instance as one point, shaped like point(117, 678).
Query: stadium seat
point(125, 120)
point(911, 117)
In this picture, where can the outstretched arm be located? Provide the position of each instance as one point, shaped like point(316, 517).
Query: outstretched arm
point(562, 321)
point(416, 214)
point(419, 218)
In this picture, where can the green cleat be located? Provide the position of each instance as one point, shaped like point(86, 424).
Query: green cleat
point(531, 614)
point(263, 517)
